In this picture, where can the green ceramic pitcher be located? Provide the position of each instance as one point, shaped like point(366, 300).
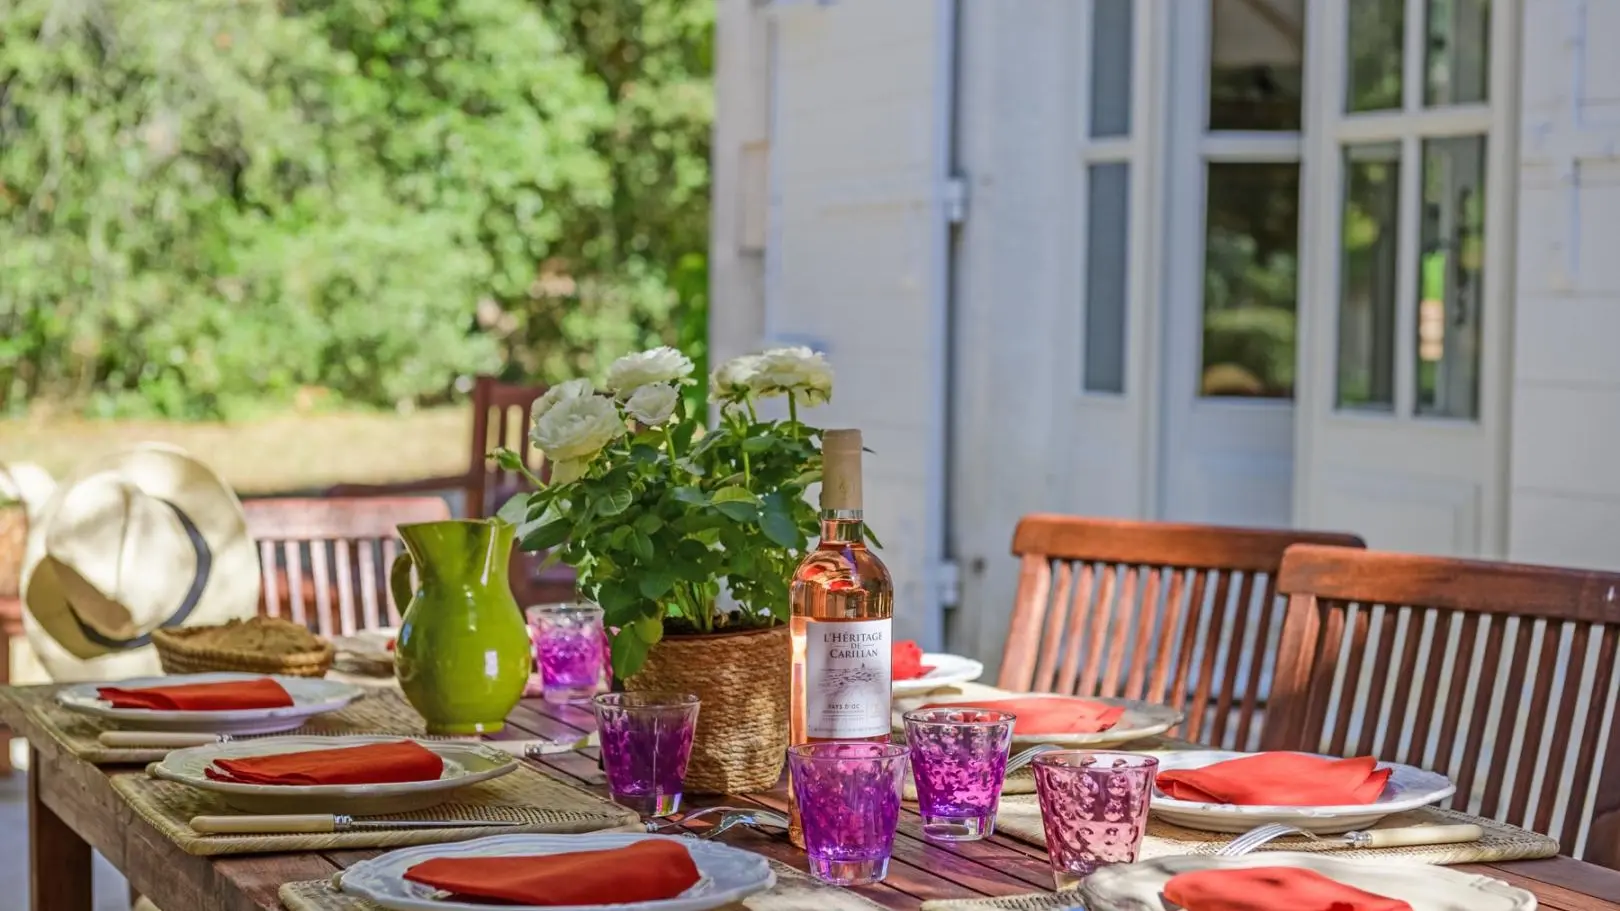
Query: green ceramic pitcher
point(463, 653)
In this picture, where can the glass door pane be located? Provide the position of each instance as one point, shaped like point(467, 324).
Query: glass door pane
point(1369, 277)
point(1458, 59)
point(1256, 69)
point(1107, 265)
point(1251, 271)
point(1377, 35)
point(1451, 277)
point(1111, 44)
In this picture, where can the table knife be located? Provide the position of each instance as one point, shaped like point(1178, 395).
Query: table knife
point(174, 740)
point(318, 822)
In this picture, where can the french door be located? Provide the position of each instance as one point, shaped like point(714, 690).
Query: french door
point(1335, 288)
point(1231, 255)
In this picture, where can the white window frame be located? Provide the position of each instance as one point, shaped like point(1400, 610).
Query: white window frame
point(1330, 128)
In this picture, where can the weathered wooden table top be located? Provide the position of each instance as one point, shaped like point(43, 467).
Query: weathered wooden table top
point(73, 808)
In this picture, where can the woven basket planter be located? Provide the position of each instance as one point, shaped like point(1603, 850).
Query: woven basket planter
point(741, 680)
point(180, 653)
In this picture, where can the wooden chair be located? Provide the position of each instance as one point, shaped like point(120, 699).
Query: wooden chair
point(1151, 610)
point(1500, 675)
point(501, 413)
point(325, 562)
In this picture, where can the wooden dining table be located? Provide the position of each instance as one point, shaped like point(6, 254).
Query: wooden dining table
point(72, 808)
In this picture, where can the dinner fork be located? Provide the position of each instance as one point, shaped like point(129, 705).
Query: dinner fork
point(1375, 838)
point(734, 816)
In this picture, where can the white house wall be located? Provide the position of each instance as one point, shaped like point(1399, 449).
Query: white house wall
point(1565, 489)
point(857, 269)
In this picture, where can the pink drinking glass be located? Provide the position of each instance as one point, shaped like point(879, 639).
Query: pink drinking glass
point(959, 761)
point(568, 642)
point(849, 801)
point(646, 744)
point(1094, 808)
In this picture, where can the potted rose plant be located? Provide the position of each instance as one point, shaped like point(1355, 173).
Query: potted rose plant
point(686, 535)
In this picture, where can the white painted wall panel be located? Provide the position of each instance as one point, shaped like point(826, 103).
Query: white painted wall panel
point(1565, 489)
point(858, 275)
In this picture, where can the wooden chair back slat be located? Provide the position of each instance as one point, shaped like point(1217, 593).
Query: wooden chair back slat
point(1158, 686)
point(500, 418)
point(1105, 608)
point(1520, 730)
point(325, 551)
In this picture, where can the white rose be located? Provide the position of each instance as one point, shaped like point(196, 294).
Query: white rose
point(573, 389)
point(653, 403)
point(660, 365)
point(734, 378)
point(573, 431)
point(799, 371)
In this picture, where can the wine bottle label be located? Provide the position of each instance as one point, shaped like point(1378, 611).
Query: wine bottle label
point(847, 678)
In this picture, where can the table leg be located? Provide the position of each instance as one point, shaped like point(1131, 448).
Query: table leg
point(58, 859)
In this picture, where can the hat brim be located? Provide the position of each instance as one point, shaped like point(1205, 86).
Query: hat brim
point(231, 589)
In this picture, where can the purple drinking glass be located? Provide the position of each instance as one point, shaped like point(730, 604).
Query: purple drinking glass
point(959, 761)
point(1094, 808)
point(646, 742)
point(568, 642)
point(849, 801)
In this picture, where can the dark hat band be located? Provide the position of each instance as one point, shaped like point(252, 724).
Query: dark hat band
point(199, 582)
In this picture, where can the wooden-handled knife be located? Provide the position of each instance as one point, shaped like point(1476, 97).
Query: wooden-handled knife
point(318, 822)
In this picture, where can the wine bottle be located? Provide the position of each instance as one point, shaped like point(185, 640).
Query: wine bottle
point(843, 605)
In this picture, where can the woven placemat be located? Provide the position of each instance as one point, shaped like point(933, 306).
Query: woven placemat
point(527, 796)
point(382, 711)
point(1020, 817)
point(794, 891)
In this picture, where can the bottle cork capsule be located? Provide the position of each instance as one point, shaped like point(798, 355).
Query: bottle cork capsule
point(841, 469)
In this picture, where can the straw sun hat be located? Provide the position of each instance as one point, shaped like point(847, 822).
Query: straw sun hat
point(136, 540)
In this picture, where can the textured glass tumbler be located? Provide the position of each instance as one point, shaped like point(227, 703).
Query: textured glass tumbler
point(568, 646)
point(959, 761)
point(1094, 808)
point(849, 800)
point(646, 742)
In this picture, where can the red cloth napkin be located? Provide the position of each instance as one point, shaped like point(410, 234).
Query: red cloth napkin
point(1280, 780)
point(262, 693)
point(647, 870)
point(1272, 889)
point(906, 660)
point(374, 763)
point(1048, 714)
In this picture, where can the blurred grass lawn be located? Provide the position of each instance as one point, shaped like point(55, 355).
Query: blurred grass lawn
point(280, 454)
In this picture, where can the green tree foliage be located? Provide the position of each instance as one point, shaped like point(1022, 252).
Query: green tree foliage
point(207, 204)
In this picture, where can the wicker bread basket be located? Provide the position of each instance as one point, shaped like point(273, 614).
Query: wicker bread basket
point(199, 649)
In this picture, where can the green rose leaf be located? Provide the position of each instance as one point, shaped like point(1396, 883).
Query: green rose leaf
point(738, 511)
point(648, 523)
point(514, 511)
point(779, 526)
point(641, 545)
point(547, 536)
point(691, 495)
point(613, 502)
point(642, 454)
point(655, 584)
point(758, 444)
point(734, 495)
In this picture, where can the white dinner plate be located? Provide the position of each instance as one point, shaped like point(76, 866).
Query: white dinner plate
point(466, 762)
point(1408, 789)
point(1139, 886)
point(366, 652)
point(1141, 719)
point(728, 874)
point(948, 670)
point(311, 696)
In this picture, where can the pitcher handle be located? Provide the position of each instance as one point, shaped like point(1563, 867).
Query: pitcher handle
point(399, 582)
